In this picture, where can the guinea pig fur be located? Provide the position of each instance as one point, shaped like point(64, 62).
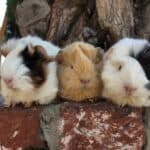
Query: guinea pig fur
point(136, 48)
point(124, 79)
point(143, 58)
point(78, 72)
point(11, 44)
point(29, 71)
point(127, 47)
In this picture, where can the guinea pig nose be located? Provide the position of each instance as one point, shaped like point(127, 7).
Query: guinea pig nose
point(85, 81)
point(129, 90)
point(8, 81)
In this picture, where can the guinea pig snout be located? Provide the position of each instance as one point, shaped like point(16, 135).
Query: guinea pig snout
point(129, 90)
point(85, 81)
point(9, 82)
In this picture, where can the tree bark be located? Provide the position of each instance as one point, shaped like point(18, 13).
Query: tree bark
point(142, 18)
point(116, 16)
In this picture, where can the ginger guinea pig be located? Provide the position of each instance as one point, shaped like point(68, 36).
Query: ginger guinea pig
point(78, 72)
point(28, 73)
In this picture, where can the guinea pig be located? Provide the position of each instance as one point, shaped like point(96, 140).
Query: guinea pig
point(78, 72)
point(125, 82)
point(29, 72)
point(129, 56)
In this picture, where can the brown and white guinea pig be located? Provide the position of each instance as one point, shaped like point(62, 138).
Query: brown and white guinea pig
point(78, 71)
point(29, 71)
point(124, 79)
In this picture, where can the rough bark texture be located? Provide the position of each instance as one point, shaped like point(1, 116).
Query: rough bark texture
point(67, 13)
point(33, 17)
point(98, 22)
point(142, 18)
point(116, 16)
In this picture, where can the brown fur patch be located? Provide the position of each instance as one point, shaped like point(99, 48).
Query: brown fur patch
point(36, 59)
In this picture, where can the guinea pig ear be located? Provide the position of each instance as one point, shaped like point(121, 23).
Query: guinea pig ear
point(42, 51)
point(4, 51)
point(108, 54)
point(31, 49)
point(59, 57)
point(99, 55)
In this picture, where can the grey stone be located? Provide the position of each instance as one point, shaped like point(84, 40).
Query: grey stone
point(50, 124)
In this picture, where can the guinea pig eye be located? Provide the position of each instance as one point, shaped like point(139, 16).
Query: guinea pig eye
point(59, 62)
point(71, 66)
point(119, 67)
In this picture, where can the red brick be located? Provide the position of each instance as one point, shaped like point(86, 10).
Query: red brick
point(20, 128)
point(101, 126)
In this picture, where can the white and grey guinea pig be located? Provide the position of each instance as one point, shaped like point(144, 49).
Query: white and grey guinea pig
point(29, 71)
point(125, 82)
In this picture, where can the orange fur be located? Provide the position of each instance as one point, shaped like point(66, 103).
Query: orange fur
point(79, 61)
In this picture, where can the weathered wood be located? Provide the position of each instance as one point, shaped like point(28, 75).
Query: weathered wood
point(64, 14)
point(142, 19)
point(116, 17)
point(33, 17)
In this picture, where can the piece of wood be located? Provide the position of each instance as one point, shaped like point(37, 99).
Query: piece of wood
point(64, 14)
point(116, 17)
point(142, 19)
point(32, 17)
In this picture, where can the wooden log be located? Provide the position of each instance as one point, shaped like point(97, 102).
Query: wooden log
point(32, 17)
point(142, 19)
point(116, 17)
point(64, 14)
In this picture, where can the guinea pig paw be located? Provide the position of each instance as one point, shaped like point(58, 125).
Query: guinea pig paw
point(27, 104)
point(7, 104)
point(147, 103)
point(13, 105)
point(91, 100)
